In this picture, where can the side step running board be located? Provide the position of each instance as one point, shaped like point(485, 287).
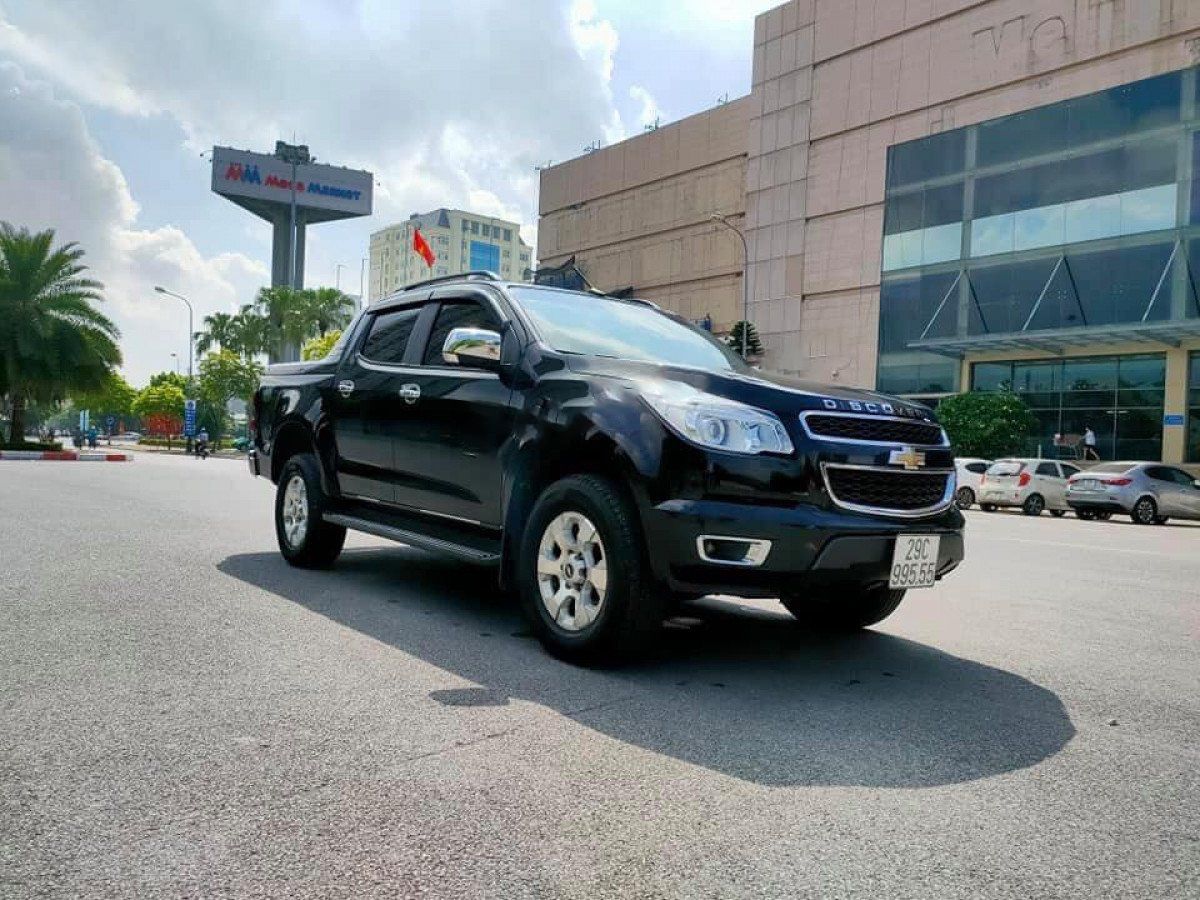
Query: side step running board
point(415, 539)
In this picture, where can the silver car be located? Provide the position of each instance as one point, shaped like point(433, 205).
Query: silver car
point(1032, 484)
point(1149, 493)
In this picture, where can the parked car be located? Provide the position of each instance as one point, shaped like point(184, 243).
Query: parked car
point(607, 458)
point(970, 475)
point(1149, 493)
point(1032, 484)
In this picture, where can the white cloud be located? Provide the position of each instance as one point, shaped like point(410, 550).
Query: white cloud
point(55, 176)
point(650, 113)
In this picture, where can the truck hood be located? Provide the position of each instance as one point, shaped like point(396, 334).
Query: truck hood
point(780, 394)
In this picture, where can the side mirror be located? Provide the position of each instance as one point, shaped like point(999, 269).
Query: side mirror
point(472, 348)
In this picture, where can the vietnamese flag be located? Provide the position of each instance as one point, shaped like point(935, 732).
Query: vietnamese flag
point(421, 246)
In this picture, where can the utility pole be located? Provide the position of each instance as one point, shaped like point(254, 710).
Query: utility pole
point(724, 220)
point(191, 323)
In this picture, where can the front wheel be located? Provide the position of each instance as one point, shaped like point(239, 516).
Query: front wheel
point(582, 575)
point(1033, 505)
point(848, 610)
point(964, 498)
point(1145, 511)
point(305, 538)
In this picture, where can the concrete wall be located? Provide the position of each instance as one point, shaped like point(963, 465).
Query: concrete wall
point(637, 214)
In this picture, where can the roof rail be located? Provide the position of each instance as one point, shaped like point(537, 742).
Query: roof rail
point(476, 275)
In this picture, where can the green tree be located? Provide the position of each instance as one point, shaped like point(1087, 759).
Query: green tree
point(114, 396)
point(160, 405)
point(52, 339)
point(174, 378)
point(319, 347)
point(753, 344)
point(324, 309)
point(986, 424)
point(223, 376)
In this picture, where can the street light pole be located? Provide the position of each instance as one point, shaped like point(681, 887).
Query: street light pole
point(362, 282)
point(724, 220)
point(337, 275)
point(191, 323)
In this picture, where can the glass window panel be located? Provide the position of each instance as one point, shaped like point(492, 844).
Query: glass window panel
point(1025, 134)
point(1089, 381)
point(1142, 371)
point(907, 305)
point(1092, 219)
point(1116, 285)
point(1043, 434)
point(993, 234)
point(1139, 434)
point(1004, 294)
point(1060, 306)
point(937, 375)
point(903, 213)
point(931, 157)
point(1195, 214)
point(1044, 226)
point(1192, 265)
point(942, 205)
point(1148, 209)
point(941, 243)
point(1003, 193)
point(992, 376)
point(1037, 377)
point(1148, 163)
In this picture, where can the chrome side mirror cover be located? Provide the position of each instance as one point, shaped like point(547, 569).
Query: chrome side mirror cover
point(474, 348)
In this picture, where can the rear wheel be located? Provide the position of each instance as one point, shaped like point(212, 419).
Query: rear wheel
point(964, 498)
point(1033, 505)
point(1145, 511)
point(582, 575)
point(1104, 516)
point(848, 610)
point(305, 538)
point(1086, 514)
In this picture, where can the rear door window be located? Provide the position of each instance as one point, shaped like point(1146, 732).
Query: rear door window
point(1048, 469)
point(977, 468)
point(389, 334)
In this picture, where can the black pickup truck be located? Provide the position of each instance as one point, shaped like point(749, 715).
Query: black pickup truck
point(608, 458)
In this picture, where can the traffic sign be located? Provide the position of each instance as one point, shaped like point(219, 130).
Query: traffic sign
point(189, 418)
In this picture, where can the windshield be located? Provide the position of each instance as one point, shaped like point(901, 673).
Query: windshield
point(1110, 468)
point(1006, 467)
point(601, 326)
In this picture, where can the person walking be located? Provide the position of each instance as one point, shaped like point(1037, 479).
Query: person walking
point(1089, 443)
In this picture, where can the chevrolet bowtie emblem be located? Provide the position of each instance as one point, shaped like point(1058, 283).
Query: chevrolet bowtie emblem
point(908, 457)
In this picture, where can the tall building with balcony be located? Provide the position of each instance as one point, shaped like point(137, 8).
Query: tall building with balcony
point(937, 197)
point(461, 242)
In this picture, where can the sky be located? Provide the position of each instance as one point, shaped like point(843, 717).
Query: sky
point(106, 110)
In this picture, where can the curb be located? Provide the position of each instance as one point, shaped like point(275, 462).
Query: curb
point(63, 456)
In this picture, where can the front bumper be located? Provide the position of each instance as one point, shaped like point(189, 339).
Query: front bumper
point(810, 546)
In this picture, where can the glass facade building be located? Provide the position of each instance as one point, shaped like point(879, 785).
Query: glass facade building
point(1066, 237)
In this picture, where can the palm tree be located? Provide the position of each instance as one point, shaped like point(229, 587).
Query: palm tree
point(52, 340)
point(325, 309)
point(218, 330)
point(248, 332)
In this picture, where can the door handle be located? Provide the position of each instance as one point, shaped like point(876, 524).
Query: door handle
point(345, 388)
point(410, 393)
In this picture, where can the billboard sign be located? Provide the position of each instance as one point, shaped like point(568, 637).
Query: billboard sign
point(189, 418)
point(260, 176)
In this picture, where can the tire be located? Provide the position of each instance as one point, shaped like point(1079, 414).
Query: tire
point(1104, 516)
point(1086, 514)
point(1144, 512)
point(849, 610)
point(1033, 505)
point(964, 498)
point(575, 525)
point(316, 544)
point(1058, 513)
point(988, 507)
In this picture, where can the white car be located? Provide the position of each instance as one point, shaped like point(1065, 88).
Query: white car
point(1032, 484)
point(970, 471)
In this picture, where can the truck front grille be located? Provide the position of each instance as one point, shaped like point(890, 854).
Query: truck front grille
point(874, 429)
point(888, 490)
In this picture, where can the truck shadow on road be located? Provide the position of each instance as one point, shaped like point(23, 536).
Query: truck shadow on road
point(736, 690)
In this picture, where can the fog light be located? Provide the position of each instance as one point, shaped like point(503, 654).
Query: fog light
point(732, 551)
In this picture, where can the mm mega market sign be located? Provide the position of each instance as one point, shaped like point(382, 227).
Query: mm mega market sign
point(259, 176)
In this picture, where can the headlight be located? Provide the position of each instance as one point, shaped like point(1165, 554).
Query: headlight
point(715, 422)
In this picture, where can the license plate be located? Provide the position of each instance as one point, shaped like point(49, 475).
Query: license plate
point(1088, 484)
point(914, 561)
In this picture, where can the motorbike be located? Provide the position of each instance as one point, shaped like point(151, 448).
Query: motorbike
point(201, 449)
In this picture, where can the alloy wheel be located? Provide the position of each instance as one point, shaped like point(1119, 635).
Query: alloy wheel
point(1145, 511)
point(572, 571)
point(295, 511)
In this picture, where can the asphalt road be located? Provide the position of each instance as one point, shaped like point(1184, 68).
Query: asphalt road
point(181, 714)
